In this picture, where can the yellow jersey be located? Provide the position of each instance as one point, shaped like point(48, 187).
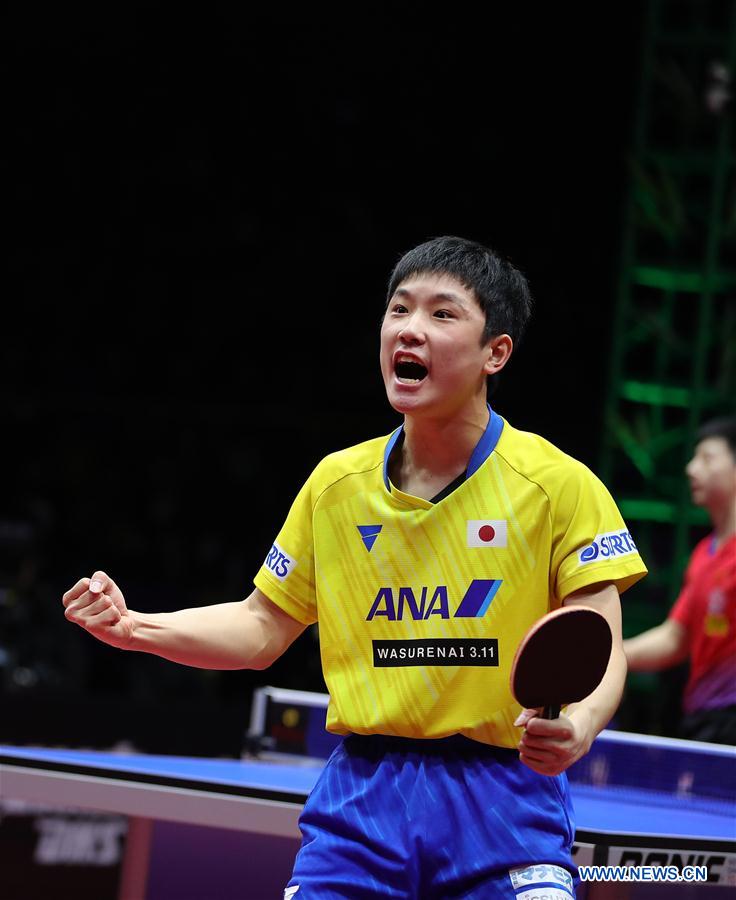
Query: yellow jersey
point(421, 605)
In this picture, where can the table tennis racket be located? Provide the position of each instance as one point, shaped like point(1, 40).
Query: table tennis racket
point(562, 659)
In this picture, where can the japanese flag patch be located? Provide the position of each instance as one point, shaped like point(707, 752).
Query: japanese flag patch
point(487, 533)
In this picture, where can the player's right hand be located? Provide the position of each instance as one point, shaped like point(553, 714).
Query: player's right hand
point(98, 605)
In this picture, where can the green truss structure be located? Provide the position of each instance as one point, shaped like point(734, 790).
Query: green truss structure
point(673, 357)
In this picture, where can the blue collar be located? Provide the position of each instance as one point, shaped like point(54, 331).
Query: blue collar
point(483, 449)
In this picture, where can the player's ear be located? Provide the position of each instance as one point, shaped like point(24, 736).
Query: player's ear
point(499, 350)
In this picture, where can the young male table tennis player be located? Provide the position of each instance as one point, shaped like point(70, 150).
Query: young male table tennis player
point(425, 557)
point(702, 623)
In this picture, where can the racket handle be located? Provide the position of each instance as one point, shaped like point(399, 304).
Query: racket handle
point(551, 712)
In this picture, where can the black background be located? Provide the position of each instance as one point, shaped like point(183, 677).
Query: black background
point(204, 211)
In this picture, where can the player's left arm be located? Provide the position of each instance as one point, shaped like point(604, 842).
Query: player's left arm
point(550, 746)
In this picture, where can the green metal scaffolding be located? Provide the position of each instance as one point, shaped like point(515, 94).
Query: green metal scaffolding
point(673, 357)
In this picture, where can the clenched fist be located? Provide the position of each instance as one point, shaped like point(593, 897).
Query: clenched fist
point(98, 605)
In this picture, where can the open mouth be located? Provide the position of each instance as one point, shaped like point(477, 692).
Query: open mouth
point(410, 372)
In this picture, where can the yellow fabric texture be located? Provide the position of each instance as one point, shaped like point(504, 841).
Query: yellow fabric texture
point(563, 532)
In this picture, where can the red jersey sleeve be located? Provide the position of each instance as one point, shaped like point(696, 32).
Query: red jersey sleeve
point(683, 609)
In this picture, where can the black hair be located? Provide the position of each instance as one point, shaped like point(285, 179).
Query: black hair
point(501, 290)
point(719, 428)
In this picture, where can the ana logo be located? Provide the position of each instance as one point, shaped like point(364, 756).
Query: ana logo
point(369, 533)
point(279, 562)
point(487, 533)
point(395, 604)
point(605, 546)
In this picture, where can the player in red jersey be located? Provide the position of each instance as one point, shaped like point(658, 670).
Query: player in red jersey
point(701, 625)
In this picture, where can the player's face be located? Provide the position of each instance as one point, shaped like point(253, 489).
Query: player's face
point(432, 358)
point(712, 473)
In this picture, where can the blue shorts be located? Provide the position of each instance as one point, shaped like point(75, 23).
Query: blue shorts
point(423, 819)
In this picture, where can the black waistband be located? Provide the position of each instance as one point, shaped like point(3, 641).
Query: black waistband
point(455, 744)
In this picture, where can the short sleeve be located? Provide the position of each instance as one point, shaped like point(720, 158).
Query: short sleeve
point(681, 611)
point(682, 608)
point(287, 574)
point(590, 541)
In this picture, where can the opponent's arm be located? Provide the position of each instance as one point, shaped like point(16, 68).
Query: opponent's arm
point(660, 647)
point(249, 634)
point(550, 746)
